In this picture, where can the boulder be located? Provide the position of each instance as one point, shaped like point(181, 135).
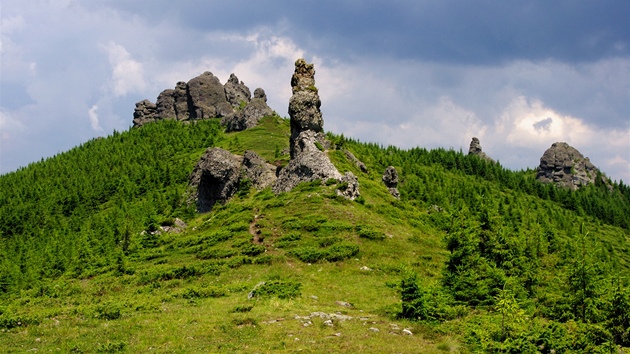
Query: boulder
point(180, 104)
point(144, 112)
point(308, 164)
point(205, 93)
point(390, 178)
point(165, 105)
point(565, 166)
point(215, 178)
point(247, 117)
point(475, 149)
point(236, 92)
point(260, 93)
point(257, 170)
point(219, 173)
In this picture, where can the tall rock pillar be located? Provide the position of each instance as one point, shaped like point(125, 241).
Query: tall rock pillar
point(304, 103)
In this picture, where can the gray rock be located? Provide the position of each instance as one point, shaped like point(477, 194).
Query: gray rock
point(247, 117)
point(475, 149)
point(165, 105)
point(260, 93)
point(305, 114)
point(350, 189)
point(304, 104)
point(180, 97)
point(390, 178)
point(236, 92)
point(144, 113)
point(215, 178)
point(307, 143)
point(218, 173)
point(257, 170)
point(205, 93)
point(205, 97)
point(308, 164)
point(565, 166)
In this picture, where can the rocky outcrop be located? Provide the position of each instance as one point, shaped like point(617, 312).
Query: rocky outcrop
point(215, 178)
point(390, 178)
point(309, 161)
point(219, 173)
point(304, 104)
point(475, 149)
point(205, 97)
point(565, 166)
point(248, 116)
point(236, 92)
point(350, 156)
point(257, 170)
point(309, 164)
point(144, 112)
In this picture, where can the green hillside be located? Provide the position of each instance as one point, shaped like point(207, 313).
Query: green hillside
point(472, 258)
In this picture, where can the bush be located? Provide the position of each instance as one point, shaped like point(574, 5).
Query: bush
point(111, 347)
point(341, 251)
point(369, 233)
point(108, 311)
point(252, 249)
point(283, 289)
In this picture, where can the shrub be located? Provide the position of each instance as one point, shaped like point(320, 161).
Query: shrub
point(283, 289)
point(252, 249)
point(309, 254)
point(369, 233)
point(111, 347)
point(108, 311)
point(341, 251)
point(242, 309)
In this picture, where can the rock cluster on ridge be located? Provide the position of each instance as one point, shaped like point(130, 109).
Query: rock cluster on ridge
point(475, 149)
point(205, 97)
point(309, 161)
point(565, 166)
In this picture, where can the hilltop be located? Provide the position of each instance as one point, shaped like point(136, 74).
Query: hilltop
point(102, 250)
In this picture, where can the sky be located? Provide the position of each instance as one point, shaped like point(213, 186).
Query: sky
point(519, 75)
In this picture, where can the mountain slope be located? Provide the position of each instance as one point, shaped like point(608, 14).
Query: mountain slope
point(481, 257)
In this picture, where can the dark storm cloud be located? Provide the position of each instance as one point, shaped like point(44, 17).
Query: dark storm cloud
point(473, 32)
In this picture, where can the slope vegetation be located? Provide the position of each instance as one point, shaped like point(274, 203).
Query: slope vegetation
point(473, 257)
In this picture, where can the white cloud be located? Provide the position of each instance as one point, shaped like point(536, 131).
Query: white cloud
point(127, 73)
point(93, 116)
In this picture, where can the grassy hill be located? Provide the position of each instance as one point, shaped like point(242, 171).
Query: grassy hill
point(473, 257)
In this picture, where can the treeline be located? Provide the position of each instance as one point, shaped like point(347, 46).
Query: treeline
point(74, 212)
point(608, 202)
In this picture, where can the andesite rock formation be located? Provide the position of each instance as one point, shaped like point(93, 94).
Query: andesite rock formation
point(219, 173)
point(390, 178)
point(309, 161)
point(565, 166)
point(205, 97)
point(475, 149)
